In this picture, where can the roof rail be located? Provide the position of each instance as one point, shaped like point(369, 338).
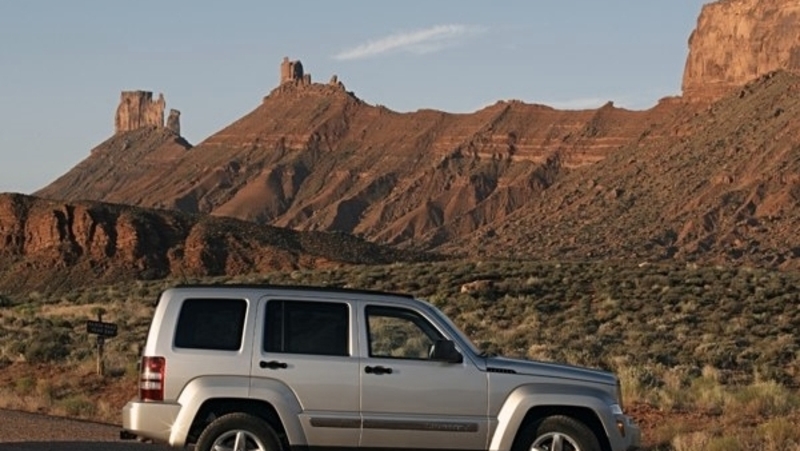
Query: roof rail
point(317, 288)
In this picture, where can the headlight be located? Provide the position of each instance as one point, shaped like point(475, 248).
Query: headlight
point(619, 395)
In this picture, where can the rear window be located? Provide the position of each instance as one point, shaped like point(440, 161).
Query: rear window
point(302, 327)
point(215, 324)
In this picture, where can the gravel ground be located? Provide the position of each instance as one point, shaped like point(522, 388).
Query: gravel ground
point(21, 431)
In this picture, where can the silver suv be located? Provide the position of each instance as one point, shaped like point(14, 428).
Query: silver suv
point(233, 367)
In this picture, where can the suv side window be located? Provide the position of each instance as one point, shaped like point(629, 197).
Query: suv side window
point(215, 324)
point(301, 327)
point(399, 333)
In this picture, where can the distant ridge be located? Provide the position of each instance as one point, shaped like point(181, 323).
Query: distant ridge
point(315, 157)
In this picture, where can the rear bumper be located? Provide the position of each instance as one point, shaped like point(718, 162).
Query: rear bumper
point(151, 420)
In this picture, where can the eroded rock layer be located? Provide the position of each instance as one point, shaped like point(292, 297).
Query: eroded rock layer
point(47, 244)
point(737, 41)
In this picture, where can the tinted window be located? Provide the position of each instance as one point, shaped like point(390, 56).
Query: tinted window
point(211, 324)
point(399, 333)
point(320, 328)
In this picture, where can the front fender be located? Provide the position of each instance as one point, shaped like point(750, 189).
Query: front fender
point(527, 397)
point(200, 390)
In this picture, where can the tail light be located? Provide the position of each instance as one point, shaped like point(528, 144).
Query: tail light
point(151, 379)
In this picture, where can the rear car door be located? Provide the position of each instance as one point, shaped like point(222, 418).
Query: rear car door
point(306, 344)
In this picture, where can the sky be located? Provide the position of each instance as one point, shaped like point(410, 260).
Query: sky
point(63, 63)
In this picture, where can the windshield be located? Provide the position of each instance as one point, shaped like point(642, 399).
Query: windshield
point(462, 338)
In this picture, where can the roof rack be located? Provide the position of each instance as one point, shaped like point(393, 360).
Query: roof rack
point(317, 288)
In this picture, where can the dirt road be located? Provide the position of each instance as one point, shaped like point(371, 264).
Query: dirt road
point(30, 432)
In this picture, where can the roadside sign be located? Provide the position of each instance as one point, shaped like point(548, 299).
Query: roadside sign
point(102, 329)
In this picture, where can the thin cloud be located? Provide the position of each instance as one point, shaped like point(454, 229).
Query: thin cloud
point(420, 42)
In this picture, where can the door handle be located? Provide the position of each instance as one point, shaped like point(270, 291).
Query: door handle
point(273, 365)
point(378, 370)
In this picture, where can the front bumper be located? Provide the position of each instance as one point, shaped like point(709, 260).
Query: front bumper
point(150, 420)
point(632, 440)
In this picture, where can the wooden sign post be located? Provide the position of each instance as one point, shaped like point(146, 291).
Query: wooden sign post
point(103, 331)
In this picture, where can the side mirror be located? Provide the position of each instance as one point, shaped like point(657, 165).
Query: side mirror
point(445, 351)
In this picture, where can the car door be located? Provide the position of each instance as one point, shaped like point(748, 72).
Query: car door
point(308, 347)
point(408, 400)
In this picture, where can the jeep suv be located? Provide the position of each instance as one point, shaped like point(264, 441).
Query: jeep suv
point(234, 367)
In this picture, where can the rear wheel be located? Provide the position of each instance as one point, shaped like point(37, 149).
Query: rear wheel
point(558, 433)
point(238, 432)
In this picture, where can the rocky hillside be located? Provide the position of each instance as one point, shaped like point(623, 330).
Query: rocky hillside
point(54, 244)
point(720, 185)
point(116, 169)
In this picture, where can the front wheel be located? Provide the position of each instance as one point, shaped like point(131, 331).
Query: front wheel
point(558, 433)
point(238, 432)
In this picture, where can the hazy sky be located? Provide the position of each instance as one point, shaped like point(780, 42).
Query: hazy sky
point(64, 63)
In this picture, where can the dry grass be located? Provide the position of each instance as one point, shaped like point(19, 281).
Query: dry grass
point(715, 343)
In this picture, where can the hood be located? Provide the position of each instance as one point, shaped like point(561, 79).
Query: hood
point(546, 369)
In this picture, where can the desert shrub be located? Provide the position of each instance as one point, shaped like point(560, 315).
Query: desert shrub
point(16, 348)
point(708, 394)
point(6, 301)
point(694, 441)
point(764, 399)
point(46, 391)
point(779, 434)
point(637, 382)
point(726, 443)
point(27, 310)
point(77, 406)
point(25, 385)
point(48, 345)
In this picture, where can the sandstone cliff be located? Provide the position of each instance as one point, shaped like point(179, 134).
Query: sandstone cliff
point(292, 72)
point(49, 244)
point(137, 109)
point(174, 122)
point(737, 41)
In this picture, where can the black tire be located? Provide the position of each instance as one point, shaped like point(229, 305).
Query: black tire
point(225, 430)
point(569, 432)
